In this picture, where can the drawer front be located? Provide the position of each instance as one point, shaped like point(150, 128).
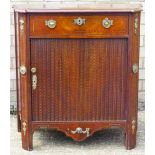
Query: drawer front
point(78, 25)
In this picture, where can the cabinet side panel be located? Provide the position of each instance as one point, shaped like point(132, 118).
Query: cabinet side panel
point(132, 98)
point(17, 71)
point(24, 80)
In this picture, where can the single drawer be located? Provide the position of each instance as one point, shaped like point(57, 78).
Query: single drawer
point(78, 25)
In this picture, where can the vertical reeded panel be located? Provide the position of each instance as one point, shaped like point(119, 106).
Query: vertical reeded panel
point(79, 79)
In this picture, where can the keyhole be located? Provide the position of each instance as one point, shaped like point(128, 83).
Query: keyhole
point(79, 21)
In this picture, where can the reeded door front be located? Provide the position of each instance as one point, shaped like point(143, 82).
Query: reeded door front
point(79, 79)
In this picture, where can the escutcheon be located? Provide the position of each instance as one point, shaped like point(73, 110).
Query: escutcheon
point(34, 82)
point(79, 21)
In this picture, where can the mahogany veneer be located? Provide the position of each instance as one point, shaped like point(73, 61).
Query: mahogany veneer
point(66, 28)
point(84, 77)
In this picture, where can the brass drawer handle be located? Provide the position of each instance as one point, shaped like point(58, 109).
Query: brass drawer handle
point(79, 21)
point(51, 23)
point(80, 131)
point(107, 23)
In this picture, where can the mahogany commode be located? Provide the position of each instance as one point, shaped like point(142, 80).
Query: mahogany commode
point(77, 71)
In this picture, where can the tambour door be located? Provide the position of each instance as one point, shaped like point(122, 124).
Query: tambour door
point(78, 79)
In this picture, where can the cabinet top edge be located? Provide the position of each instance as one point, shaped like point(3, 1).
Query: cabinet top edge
point(80, 8)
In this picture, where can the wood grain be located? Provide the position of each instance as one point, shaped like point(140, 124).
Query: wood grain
point(85, 76)
point(79, 79)
point(65, 25)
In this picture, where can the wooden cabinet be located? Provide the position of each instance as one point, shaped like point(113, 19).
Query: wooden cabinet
point(77, 71)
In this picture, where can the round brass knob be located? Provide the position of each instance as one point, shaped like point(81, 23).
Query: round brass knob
point(51, 23)
point(33, 70)
point(107, 23)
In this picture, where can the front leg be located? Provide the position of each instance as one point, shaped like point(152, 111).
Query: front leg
point(130, 135)
point(27, 137)
point(18, 123)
